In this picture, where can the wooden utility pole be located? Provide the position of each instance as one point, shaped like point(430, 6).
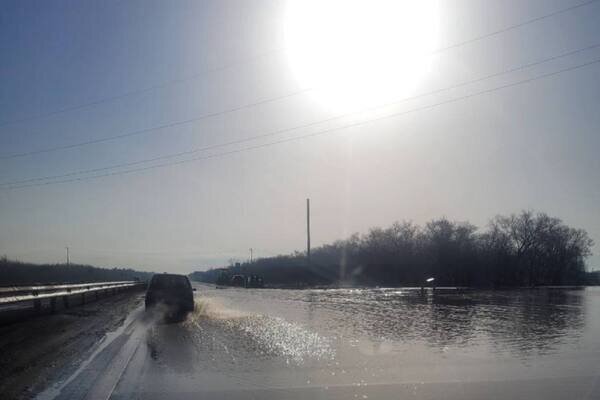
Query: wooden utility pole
point(68, 262)
point(308, 230)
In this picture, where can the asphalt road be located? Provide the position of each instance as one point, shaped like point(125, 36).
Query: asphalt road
point(292, 344)
point(45, 349)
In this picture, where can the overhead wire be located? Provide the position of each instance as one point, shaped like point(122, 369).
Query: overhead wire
point(147, 89)
point(308, 125)
point(314, 134)
point(248, 105)
point(159, 127)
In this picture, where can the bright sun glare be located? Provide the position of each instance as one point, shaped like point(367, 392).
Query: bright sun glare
point(358, 53)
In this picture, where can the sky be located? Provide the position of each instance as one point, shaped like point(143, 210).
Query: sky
point(74, 72)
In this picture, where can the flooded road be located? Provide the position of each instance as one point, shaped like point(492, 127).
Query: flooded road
point(355, 343)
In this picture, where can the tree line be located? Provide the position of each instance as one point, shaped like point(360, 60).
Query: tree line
point(525, 249)
point(20, 273)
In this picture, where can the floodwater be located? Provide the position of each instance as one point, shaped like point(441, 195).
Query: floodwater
point(367, 343)
point(378, 335)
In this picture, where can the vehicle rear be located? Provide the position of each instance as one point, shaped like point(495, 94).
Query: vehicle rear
point(171, 291)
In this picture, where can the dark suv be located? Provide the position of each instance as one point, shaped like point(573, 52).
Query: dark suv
point(174, 291)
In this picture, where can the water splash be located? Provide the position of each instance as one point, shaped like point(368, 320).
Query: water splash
point(265, 335)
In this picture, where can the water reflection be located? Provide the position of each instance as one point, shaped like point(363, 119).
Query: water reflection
point(520, 321)
point(359, 337)
point(299, 326)
point(223, 339)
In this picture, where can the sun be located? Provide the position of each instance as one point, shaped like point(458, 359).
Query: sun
point(359, 53)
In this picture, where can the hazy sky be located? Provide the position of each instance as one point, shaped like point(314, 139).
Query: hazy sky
point(532, 146)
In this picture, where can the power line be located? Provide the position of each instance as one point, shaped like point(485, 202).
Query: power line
point(314, 123)
point(517, 25)
point(159, 127)
point(246, 106)
point(147, 89)
point(314, 134)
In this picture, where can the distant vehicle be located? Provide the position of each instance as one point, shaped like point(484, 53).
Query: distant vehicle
point(174, 291)
point(254, 281)
point(238, 281)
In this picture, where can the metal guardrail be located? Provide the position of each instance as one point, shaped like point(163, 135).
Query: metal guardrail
point(17, 294)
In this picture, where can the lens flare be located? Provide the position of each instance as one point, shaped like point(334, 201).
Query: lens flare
point(356, 53)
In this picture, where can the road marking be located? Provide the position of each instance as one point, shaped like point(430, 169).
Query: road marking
point(54, 391)
point(105, 386)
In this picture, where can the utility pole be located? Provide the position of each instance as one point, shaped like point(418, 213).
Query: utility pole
point(67, 248)
point(250, 255)
point(308, 230)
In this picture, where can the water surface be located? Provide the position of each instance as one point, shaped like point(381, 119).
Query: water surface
point(253, 339)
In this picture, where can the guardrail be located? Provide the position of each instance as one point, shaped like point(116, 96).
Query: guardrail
point(20, 294)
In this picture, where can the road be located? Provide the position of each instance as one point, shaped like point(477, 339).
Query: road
point(272, 344)
point(47, 348)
